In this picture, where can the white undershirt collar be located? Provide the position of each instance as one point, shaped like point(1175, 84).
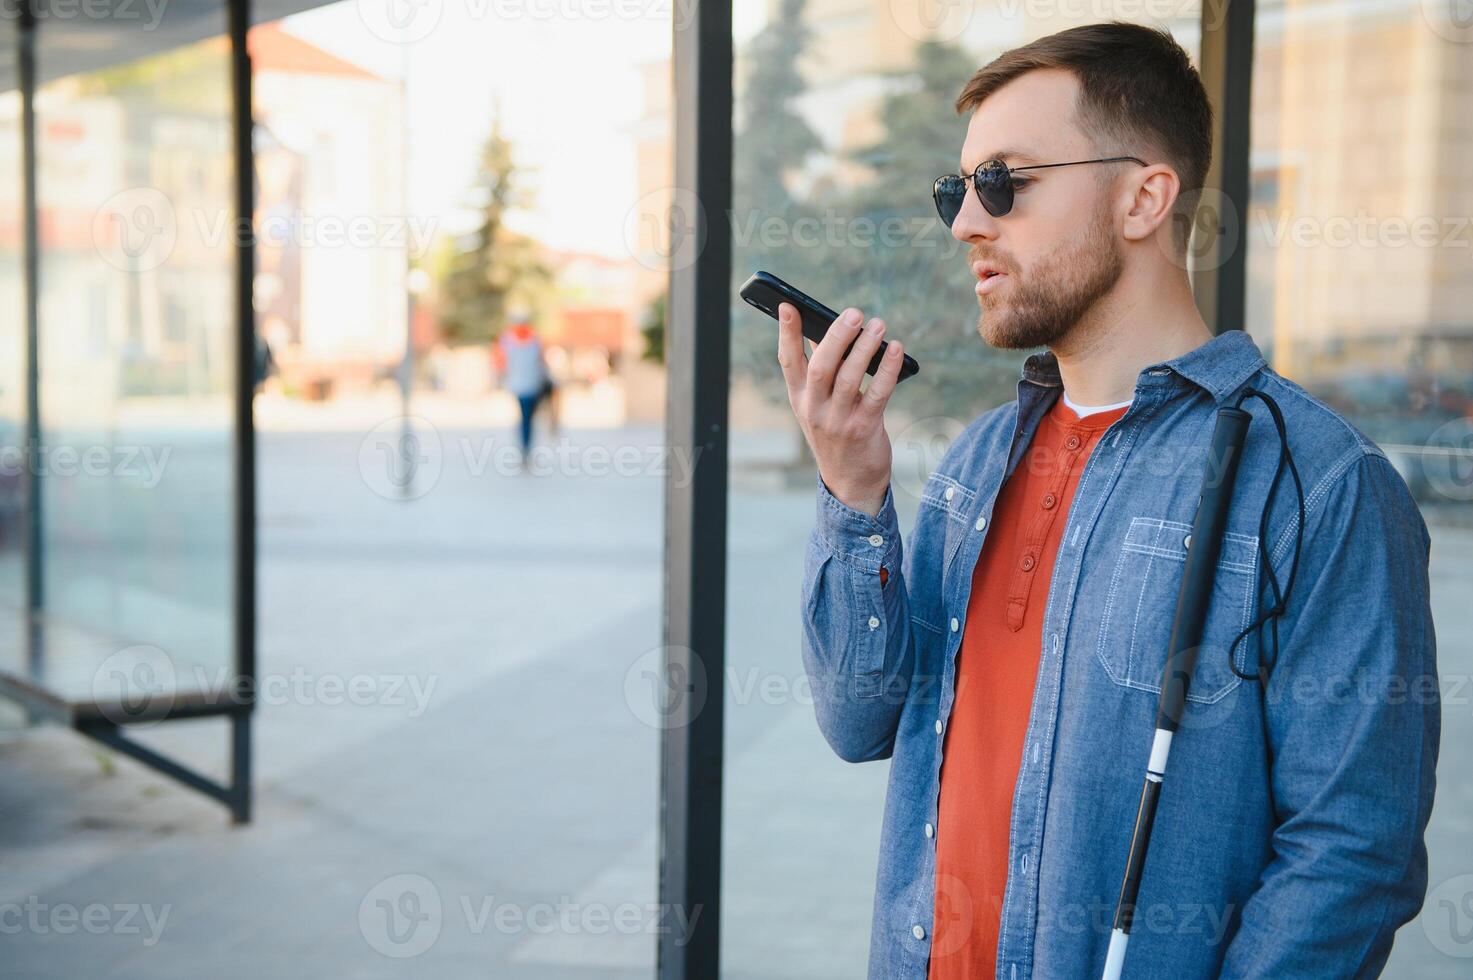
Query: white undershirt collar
point(1084, 410)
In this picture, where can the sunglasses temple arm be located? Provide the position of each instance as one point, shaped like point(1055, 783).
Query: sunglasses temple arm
point(1075, 163)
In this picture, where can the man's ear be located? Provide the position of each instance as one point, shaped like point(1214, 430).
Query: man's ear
point(1150, 199)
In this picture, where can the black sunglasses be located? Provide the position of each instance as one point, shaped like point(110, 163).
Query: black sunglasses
point(995, 184)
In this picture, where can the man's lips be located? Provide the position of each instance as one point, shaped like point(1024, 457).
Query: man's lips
point(989, 276)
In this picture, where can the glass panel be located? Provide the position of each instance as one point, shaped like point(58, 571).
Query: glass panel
point(12, 365)
point(455, 718)
point(841, 126)
point(1359, 289)
point(136, 324)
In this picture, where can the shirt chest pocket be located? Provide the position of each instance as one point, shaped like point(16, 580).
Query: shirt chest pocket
point(949, 504)
point(1135, 626)
point(941, 525)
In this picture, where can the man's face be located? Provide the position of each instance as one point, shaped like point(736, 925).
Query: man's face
point(1057, 251)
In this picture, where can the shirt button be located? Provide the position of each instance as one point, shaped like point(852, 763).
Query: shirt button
point(955, 625)
point(930, 831)
point(874, 622)
point(1072, 443)
point(876, 540)
point(938, 726)
point(1186, 542)
point(1048, 501)
point(1027, 563)
point(918, 932)
point(981, 523)
point(950, 492)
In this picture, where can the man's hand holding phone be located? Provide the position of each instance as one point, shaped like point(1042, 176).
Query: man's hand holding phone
point(844, 426)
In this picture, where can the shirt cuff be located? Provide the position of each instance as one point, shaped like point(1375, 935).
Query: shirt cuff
point(868, 542)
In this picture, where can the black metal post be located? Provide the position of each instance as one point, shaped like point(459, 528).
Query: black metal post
point(245, 426)
point(31, 285)
point(115, 737)
point(698, 361)
point(1226, 65)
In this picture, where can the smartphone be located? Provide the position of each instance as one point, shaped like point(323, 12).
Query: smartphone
point(765, 291)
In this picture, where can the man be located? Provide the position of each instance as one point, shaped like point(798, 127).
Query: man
point(1008, 660)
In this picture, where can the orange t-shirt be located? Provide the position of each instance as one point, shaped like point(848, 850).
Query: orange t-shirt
point(997, 667)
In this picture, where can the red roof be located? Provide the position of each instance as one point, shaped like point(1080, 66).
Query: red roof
point(272, 49)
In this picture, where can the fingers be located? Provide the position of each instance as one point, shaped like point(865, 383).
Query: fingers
point(823, 366)
point(790, 350)
point(872, 402)
point(851, 372)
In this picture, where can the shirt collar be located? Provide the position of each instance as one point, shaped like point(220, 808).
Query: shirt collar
point(1220, 366)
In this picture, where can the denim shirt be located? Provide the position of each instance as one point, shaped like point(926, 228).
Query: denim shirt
point(1288, 839)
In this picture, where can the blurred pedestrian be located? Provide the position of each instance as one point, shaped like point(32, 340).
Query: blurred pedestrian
point(523, 371)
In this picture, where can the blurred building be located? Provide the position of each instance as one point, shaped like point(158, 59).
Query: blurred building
point(1359, 243)
point(648, 236)
point(335, 241)
point(597, 297)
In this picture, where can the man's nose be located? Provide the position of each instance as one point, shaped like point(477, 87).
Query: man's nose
point(973, 222)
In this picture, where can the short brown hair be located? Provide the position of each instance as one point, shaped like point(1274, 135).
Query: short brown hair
point(1136, 85)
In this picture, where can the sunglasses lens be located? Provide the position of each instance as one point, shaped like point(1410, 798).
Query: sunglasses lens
point(950, 193)
point(995, 187)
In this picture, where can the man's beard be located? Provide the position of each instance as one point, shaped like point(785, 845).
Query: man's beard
point(1060, 289)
